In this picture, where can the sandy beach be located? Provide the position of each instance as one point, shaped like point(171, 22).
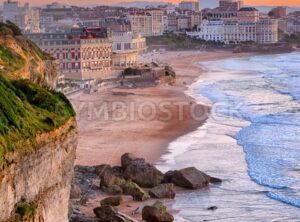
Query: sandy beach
point(104, 140)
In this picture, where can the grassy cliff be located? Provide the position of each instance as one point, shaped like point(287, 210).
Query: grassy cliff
point(26, 108)
point(21, 58)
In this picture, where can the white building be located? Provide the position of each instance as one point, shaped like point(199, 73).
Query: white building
point(28, 19)
point(264, 31)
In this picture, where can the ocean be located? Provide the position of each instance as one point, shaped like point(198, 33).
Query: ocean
point(251, 140)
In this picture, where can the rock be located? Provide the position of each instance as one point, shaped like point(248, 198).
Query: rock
point(118, 171)
point(163, 191)
point(109, 214)
point(112, 201)
point(101, 169)
point(190, 178)
point(215, 180)
point(168, 176)
point(143, 174)
point(156, 213)
point(75, 192)
point(237, 49)
point(113, 190)
point(212, 208)
point(108, 179)
point(126, 159)
point(137, 193)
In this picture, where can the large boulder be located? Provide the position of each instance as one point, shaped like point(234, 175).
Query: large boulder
point(143, 173)
point(112, 201)
point(116, 185)
point(101, 169)
point(109, 214)
point(156, 213)
point(137, 193)
point(163, 191)
point(108, 179)
point(126, 159)
point(190, 178)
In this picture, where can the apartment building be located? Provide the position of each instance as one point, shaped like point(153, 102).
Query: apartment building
point(83, 54)
point(150, 22)
point(141, 23)
point(190, 5)
point(126, 48)
point(267, 30)
point(27, 18)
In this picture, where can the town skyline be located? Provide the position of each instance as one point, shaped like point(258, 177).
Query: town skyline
point(290, 3)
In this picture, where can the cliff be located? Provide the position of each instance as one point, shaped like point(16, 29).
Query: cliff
point(38, 135)
point(20, 58)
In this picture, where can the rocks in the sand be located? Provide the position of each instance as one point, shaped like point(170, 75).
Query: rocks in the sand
point(143, 173)
point(109, 214)
point(112, 201)
point(156, 213)
point(163, 191)
point(213, 208)
point(126, 159)
point(215, 180)
point(113, 190)
point(108, 179)
point(113, 184)
point(101, 169)
point(190, 178)
point(75, 192)
point(137, 193)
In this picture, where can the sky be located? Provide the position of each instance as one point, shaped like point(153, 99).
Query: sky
point(99, 2)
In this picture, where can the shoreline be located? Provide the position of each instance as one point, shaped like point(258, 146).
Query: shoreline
point(103, 141)
point(146, 139)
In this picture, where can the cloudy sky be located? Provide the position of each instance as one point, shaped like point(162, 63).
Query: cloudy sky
point(99, 2)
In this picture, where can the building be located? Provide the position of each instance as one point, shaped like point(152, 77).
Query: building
point(264, 31)
point(278, 12)
point(230, 5)
point(190, 5)
point(267, 30)
point(141, 23)
point(28, 19)
point(126, 48)
point(228, 9)
point(248, 14)
point(151, 22)
point(83, 54)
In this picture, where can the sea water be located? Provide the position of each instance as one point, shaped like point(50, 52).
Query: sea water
point(251, 140)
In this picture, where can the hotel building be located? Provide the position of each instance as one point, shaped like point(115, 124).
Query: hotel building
point(83, 54)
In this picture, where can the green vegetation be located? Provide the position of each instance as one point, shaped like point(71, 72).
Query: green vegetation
point(11, 60)
point(25, 210)
point(178, 42)
point(10, 27)
point(27, 109)
point(293, 38)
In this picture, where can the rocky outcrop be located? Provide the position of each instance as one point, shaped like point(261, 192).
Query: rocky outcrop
point(112, 201)
point(109, 214)
point(163, 191)
point(190, 178)
point(156, 213)
point(143, 173)
point(40, 180)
